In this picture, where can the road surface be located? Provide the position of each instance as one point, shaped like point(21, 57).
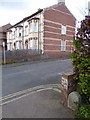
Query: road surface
point(29, 75)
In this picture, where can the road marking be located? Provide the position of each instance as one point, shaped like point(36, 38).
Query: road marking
point(29, 94)
point(18, 95)
point(29, 90)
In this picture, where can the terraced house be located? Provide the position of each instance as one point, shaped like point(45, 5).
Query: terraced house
point(50, 29)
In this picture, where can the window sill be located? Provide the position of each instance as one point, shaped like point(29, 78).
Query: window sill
point(30, 32)
point(19, 36)
point(35, 32)
point(63, 34)
point(63, 51)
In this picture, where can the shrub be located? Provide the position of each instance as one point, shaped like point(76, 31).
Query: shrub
point(81, 64)
point(83, 111)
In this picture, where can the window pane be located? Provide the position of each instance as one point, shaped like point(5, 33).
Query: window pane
point(35, 26)
point(20, 32)
point(63, 29)
point(10, 36)
point(63, 45)
point(16, 45)
point(31, 43)
point(16, 33)
point(35, 44)
point(26, 30)
point(30, 27)
point(10, 46)
point(20, 45)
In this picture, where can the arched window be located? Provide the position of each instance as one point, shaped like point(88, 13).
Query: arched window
point(20, 45)
point(26, 44)
point(15, 45)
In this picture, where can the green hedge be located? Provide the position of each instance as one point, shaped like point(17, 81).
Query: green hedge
point(81, 64)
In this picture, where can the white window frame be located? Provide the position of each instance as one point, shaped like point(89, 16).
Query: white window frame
point(30, 27)
point(35, 44)
point(36, 26)
point(10, 46)
point(17, 45)
point(20, 45)
point(20, 32)
point(10, 36)
point(26, 30)
point(31, 44)
point(63, 45)
point(63, 29)
point(16, 33)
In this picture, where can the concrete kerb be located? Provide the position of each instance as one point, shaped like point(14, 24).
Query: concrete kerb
point(31, 62)
point(12, 97)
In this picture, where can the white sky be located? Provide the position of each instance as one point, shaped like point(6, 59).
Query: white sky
point(13, 11)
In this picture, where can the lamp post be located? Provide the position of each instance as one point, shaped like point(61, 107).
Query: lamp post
point(38, 37)
point(4, 52)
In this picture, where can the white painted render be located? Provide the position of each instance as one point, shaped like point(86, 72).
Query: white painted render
point(27, 41)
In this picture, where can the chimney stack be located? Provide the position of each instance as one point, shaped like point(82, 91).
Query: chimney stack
point(61, 1)
point(89, 8)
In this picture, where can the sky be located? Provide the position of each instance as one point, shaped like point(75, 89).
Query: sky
point(13, 11)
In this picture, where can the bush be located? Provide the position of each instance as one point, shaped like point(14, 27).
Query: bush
point(81, 66)
point(83, 111)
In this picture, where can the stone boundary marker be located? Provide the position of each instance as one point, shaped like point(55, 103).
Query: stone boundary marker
point(69, 96)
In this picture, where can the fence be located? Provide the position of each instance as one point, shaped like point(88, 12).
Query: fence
point(0, 57)
point(21, 55)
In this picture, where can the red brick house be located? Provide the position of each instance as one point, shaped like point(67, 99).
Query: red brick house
point(59, 29)
point(3, 35)
point(50, 30)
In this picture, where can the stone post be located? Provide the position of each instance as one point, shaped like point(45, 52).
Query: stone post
point(68, 85)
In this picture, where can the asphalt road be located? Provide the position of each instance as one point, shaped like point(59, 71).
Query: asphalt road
point(21, 77)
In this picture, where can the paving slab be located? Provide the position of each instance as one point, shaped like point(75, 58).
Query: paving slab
point(41, 104)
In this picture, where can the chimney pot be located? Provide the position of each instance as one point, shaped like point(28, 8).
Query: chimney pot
point(61, 1)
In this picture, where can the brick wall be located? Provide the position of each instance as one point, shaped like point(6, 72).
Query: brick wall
point(54, 17)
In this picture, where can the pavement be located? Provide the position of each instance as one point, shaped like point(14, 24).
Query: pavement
point(32, 62)
point(40, 103)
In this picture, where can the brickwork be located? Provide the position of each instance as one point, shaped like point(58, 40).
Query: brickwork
point(49, 34)
point(54, 17)
point(3, 35)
